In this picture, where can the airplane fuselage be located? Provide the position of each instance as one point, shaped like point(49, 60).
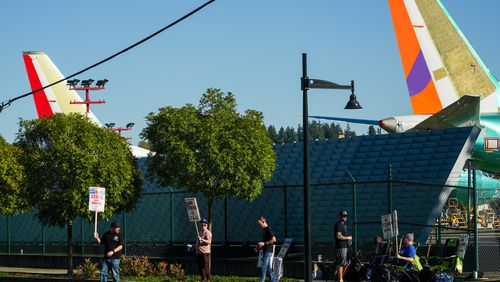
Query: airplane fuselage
point(485, 154)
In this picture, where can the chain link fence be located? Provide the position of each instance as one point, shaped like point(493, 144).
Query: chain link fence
point(158, 225)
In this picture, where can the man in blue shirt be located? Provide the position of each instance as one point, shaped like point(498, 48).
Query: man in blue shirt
point(408, 252)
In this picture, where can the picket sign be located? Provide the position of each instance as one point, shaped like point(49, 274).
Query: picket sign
point(97, 201)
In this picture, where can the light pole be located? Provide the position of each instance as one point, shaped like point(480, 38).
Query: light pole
point(307, 83)
point(87, 86)
point(120, 129)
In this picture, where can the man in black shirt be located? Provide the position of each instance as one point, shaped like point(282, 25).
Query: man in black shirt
point(113, 245)
point(341, 244)
point(267, 245)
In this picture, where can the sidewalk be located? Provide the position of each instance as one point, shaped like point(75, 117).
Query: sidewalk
point(43, 271)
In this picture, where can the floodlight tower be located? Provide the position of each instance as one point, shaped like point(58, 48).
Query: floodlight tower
point(87, 86)
point(120, 129)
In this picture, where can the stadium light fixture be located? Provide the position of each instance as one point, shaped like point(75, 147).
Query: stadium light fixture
point(87, 82)
point(100, 83)
point(72, 82)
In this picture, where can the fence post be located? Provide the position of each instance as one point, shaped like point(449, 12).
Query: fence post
point(438, 234)
point(389, 189)
point(82, 242)
point(43, 239)
point(469, 185)
point(8, 234)
point(125, 233)
point(225, 220)
point(285, 207)
point(354, 212)
point(171, 221)
point(474, 202)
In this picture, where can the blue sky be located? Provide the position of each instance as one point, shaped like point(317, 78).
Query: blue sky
point(251, 48)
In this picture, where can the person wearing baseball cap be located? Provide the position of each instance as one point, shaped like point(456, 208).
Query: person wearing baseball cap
point(203, 254)
point(113, 246)
point(341, 244)
point(408, 252)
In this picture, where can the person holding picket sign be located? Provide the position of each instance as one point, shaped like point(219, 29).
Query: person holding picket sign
point(203, 256)
point(113, 246)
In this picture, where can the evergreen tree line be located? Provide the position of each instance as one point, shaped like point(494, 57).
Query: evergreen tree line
point(317, 131)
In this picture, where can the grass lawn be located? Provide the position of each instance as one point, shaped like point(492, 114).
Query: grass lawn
point(189, 278)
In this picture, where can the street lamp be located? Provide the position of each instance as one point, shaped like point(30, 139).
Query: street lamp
point(306, 84)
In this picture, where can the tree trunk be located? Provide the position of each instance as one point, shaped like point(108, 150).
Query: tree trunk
point(70, 248)
point(210, 211)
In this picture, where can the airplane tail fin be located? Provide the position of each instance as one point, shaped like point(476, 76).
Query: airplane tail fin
point(55, 99)
point(439, 63)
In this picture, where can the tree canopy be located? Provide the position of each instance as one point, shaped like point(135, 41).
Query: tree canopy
point(66, 154)
point(11, 179)
point(63, 156)
point(211, 148)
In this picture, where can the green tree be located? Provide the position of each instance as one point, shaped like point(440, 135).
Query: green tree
point(63, 156)
point(348, 132)
point(272, 133)
point(300, 133)
point(371, 130)
point(281, 135)
point(210, 149)
point(290, 135)
point(144, 144)
point(12, 178)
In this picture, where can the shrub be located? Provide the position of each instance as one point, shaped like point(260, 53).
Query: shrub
point(135, 266)
point(161, 268)
point(175, 270)
point(87, 270)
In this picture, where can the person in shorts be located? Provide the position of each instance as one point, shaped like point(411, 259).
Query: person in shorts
point(341, 244)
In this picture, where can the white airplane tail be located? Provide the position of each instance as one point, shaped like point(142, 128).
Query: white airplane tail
point(55, 99)
point(439, 63)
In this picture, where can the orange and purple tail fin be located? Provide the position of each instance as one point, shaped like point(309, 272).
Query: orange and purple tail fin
point(439, 63)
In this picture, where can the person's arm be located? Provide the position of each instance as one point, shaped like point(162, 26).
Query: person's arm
point(96, 237)
point(412, 252)
point(271, 241)
point(342, 237)
point(206, 241)
point(117, 248)
point(408, 259)
point(120, 244)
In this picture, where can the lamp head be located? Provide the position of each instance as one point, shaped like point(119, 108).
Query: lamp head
point(110, 125)
point(353, 103)
point(87, 82)
point(130, 125)
point(72, 82)
point(101, 83)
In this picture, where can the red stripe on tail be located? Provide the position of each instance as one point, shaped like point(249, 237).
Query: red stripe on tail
point(41, 102)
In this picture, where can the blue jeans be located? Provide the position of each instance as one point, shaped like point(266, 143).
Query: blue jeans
point(266, 266)
point(115, 269)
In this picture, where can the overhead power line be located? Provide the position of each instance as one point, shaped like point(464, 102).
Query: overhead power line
point(7, 103)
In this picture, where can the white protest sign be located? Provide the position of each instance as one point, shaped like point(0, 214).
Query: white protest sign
point(277, 269)
point(285, 247)
point(395, 223)
point(463, 241)
point(259, 259)
point(97, 199)
point(387, 226)
point(192, 209)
